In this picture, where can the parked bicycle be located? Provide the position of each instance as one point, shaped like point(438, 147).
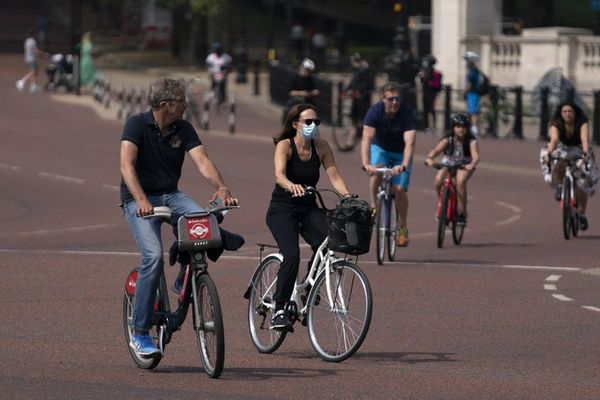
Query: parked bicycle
point(386, 222)
point(498, 114)
point(197, 233)
point(345, 135)
point(447, 210)
point(334, 301)
point(568, 197)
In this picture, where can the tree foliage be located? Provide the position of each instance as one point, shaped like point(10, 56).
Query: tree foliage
point(200, 7)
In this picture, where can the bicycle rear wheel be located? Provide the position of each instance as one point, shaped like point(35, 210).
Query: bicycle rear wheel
point(392, 229)
point(261, 306)
point(208, 324)
point(442, 217)
point(381, 229)
point(339, 313)
point(458, 230)
point(141, 362)
point(566, 210)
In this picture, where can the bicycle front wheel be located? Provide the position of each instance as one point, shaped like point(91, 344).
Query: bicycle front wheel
point(442, 217)
point(566, 210)
point(208, 324)
point(262, 304)
point(339, 311)
point(381, 229)
point(392, 224)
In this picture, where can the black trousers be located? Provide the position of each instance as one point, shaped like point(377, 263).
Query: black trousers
point(286, 223)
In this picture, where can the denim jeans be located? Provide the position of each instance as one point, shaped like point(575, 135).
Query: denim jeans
point(146, 232)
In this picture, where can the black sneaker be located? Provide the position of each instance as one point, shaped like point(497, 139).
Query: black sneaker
point(461, 220)
point(281, 321)
point(583, 222)
point(558, 193)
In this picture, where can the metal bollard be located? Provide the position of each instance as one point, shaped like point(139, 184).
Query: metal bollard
point(448, 107)
point(106, 99)
point(493, 120)
point(138, 100)
point(231, 115)
point(518, 126)
point(544, 113)
point(596, 132)
point(257, 78)
point(129, 102)
point(121, 101)
point(205, 110)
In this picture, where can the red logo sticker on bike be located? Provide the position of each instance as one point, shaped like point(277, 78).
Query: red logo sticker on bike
point(199, 228)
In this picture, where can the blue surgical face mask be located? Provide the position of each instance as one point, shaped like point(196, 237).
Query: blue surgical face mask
point(310, 131)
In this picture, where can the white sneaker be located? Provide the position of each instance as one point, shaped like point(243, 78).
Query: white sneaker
point(20, 85)
point(34, 88)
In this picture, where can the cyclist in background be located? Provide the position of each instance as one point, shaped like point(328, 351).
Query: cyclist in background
point(302, 88)
point(218, 64)
point(389, 131)
point(570, 130)
point(458, 147)
point(472, 89)
point(299, 155)
point(359, 89)
point(153, 147)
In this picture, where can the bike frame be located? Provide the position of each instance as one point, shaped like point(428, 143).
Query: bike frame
point(571, 182)
point(451, 210)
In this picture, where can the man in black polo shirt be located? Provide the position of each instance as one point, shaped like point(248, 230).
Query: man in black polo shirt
point(153, 147)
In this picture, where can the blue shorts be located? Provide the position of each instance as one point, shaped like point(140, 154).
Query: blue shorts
point(384, 158)
point(472, 103)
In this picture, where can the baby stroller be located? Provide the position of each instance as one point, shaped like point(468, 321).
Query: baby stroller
point(60, 72)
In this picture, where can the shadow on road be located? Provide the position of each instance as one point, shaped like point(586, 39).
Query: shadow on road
point(260, 374)
point(408, 358)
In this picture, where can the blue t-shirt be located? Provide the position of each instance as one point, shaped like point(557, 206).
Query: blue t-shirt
point(389, 132)
point(473, 79)
point(159, 159)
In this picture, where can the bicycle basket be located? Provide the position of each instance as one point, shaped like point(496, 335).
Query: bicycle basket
point(198, 232)
point(350, 227)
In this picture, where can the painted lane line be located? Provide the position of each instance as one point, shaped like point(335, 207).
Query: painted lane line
point(8, 167)
point(549, 287)
point(553, 278)
point(591, 308)
point(562, 297)
point(69, 229)
point(114, 188)
point(61, 178)
point(516, 210)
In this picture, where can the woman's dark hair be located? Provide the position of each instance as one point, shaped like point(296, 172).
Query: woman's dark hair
point(288, 131)
point(558, 121)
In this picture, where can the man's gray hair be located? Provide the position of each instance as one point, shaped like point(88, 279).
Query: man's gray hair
point(391, 86)
point(164, 89)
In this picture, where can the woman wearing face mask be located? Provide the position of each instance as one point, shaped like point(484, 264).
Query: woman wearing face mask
point(299, 155)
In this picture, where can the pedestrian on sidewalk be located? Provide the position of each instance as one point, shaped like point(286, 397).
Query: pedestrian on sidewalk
point(87, 69)
point(32, 53)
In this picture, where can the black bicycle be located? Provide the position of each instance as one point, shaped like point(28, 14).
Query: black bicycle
point(198, 233)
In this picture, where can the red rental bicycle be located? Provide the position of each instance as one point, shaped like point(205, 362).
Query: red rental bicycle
point(447, 210)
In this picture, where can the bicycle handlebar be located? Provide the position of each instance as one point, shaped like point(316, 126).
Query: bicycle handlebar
point(450, 166)
point(166, 212)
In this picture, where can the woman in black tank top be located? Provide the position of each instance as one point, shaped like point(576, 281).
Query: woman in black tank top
point(299, 155)
point(570, 127)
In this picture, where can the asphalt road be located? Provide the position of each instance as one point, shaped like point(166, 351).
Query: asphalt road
point(512, 313)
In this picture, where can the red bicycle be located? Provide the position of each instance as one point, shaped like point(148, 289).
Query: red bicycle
point(447, 210)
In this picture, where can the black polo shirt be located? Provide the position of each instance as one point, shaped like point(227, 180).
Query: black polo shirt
point(160, 159)
point(389, 132)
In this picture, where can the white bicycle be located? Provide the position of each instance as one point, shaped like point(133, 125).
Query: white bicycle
point(334, 302)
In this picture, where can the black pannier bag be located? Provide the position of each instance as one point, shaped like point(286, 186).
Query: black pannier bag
point(350, 227)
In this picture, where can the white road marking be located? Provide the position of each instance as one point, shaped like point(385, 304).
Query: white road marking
point(255, 258)
point(591, 308)
point(511, 207)
point(61, 178)
point(114, 188)
point(553, 278)
point(562, 297)
point(8, 167)
point(69, 229)
point(549, 287)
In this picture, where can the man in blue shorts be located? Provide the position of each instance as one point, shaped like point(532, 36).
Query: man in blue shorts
point(472, 89)
point(388, 140)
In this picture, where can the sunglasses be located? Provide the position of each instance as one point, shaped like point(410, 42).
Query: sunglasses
point(309, 121)
point(393, 98)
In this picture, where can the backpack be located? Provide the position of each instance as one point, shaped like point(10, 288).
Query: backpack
point(350, 227)
point(436, 81)
point(484, 84)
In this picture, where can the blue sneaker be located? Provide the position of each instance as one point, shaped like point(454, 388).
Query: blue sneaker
point(178, 284)
point(143, 345)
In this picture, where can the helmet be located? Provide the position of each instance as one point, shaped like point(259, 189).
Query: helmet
point(471, 56)
point(459, 119)
point(308, 64)
point(217, 46)
point(430, 59)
